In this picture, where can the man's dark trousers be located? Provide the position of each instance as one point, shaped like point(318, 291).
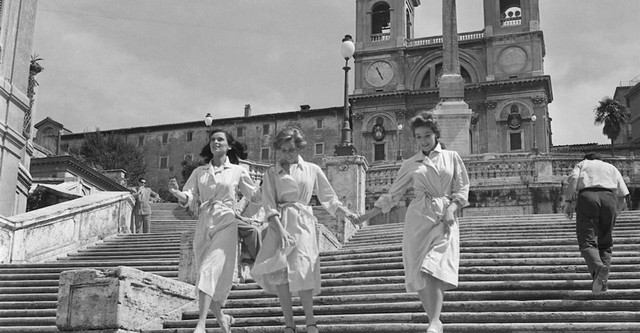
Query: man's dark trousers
point(596, 211)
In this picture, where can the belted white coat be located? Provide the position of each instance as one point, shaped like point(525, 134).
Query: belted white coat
point(216, 237)
point(287, 195)
point(428, 245)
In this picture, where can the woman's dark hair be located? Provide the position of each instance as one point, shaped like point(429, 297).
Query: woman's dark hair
point(289, 134)
point(237, 150)
point(592, 156)
point(425, 119)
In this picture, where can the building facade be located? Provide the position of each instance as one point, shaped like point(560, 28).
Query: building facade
point(166, 147)
point(397, 75)
point(17, 23)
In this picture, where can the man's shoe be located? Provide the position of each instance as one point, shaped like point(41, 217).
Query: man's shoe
point(599, 284)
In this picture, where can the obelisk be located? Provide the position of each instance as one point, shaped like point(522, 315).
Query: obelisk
point(453, 114)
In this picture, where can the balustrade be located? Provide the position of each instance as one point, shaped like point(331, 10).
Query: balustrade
point(380, 37)
point(434, 40)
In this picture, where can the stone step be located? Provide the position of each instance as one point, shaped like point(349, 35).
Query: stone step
point(28, 313)
point(611, 327)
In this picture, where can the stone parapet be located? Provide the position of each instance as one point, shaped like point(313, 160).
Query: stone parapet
point(56, 230)
point(347, 175)
point(120, 300)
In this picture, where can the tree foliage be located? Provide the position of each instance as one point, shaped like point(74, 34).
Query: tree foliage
point(111, 151)
point(613, 115)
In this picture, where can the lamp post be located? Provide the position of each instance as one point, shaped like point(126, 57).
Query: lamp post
point(208, 120)
point(346, 148)
point(399, 158)
point(533, 123)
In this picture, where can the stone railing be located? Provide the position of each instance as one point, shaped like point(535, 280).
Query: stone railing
point(434, 40)
point(56, 230)
point(484, 168)
point(508, 21)
point(256, 170)
point(500, 169)
point(629, 167)
point(380, 37)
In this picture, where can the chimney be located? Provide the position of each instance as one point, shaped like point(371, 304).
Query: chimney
point(305, 107)
point(247, 110)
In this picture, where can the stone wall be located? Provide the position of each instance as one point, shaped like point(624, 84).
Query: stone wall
point(123, 299)
point(53, 231)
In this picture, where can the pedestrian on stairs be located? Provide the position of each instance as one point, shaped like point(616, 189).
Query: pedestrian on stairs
point(142, 208)
point(596, 192)
point(288, 262)
point(215, 241)
point(430, 243)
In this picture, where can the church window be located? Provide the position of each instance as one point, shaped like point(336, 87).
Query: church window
point(515, 140)
point(264, 154)
point(431, 78)
point(510, 12)
point(48, 132)
point(409, 23)
point(381, 19)
point(164, 162)
point(378, 152)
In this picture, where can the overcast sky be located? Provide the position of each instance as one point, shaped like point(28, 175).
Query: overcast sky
point(127, 63)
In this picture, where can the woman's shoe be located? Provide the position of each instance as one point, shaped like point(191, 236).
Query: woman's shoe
point(292, 328)
point(229, 322)
point(314, 330)
point(435, 327)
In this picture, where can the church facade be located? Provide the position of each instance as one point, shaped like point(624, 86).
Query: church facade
point(397, 75)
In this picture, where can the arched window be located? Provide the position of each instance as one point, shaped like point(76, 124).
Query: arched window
point(48, 132)
point(510, 12)
point(380, 19)
point(409, 23)
point(432, 76)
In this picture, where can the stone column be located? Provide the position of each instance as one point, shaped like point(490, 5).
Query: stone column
point(453, 114)
point(347, 175)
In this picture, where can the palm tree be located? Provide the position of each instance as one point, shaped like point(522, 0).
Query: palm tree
point(613, 115)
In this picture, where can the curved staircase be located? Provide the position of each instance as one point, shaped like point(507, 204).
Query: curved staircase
point(517, 274)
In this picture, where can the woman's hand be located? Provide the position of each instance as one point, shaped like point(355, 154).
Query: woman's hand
point(286, 240)
point(450, 214)
point(173, 185)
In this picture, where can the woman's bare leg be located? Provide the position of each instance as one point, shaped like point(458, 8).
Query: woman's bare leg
point(284, 295)
point(432, 298)
point(306, 298)
point(204, 301)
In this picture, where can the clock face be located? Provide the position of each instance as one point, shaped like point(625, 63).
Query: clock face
point(379, 73)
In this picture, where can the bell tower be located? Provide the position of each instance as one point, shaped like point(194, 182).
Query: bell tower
point(515, 47)
point(382, 30)
point(510, 16)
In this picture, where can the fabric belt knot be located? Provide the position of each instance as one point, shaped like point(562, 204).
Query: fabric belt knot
point(437, 204)
point(299, 206)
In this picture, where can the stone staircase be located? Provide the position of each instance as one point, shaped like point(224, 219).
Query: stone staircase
point(517, 274)
point(29, 292)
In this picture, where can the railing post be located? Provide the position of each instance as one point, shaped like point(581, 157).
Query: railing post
point(347, 175)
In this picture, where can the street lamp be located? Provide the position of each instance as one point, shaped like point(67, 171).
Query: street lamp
point(399, 158)
point(533, 123)
point(346, 148)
